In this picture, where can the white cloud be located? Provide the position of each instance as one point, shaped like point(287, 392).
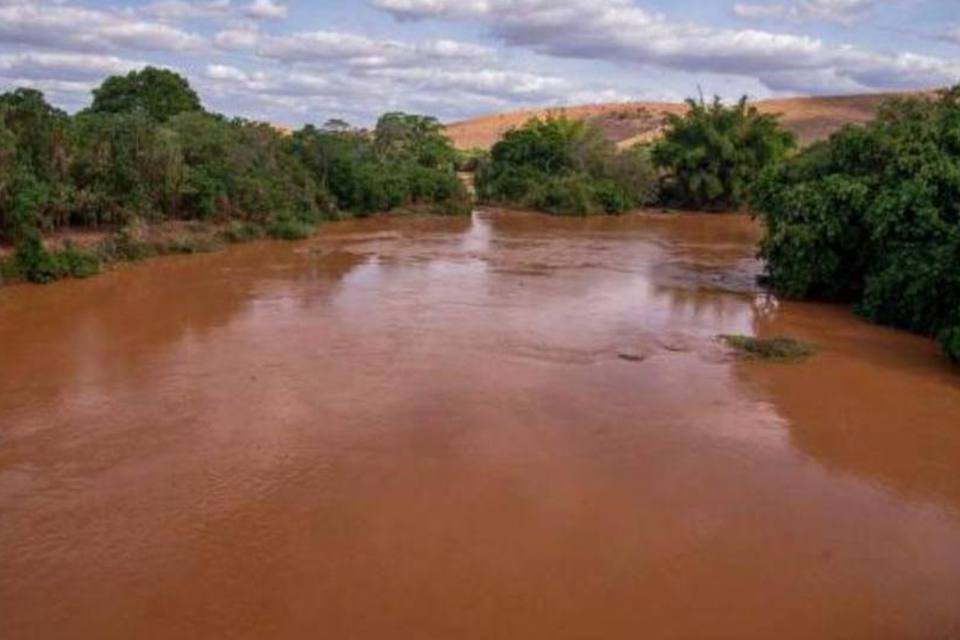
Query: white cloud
point(183, 10)
point(265, 9)
point(70, 27)
point(621, 32)
point(64, 66)
point(840, 11)
point(237, 39)
point(505, 84)
point(324, 47)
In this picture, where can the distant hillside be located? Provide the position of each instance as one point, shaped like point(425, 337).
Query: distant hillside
point(811, 119)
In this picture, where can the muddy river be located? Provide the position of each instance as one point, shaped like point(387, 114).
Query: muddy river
point(504, 427)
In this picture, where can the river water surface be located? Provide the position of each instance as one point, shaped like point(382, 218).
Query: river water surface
point(509, 426)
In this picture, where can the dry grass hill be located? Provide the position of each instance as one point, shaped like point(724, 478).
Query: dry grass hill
point(811, 119)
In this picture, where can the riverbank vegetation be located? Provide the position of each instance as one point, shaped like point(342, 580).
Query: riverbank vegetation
point(565, 167)
point(781, 349)
point(872, 216)
point(147, 152)
point(711, 156)
point(707, 159)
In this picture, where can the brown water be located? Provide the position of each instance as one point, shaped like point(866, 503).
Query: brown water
point(508, 427)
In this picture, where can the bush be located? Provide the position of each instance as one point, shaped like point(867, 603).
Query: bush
point(950, 341)
point(872, 216)
point(33, 262)
point(128, 244)
point(78, 263)
point(239, 232)
point(562, 195)
point(405, 161)
point(713, 154)
point(565, 167)
point(290, 229)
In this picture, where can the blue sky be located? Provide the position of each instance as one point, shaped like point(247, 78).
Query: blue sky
point(297, 61)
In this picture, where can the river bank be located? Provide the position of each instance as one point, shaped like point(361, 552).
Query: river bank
point(97, 250)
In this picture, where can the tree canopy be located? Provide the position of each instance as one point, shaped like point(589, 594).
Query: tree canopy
point(565, 167)
point(712, 154)
point(159, 93)
point(873, 216)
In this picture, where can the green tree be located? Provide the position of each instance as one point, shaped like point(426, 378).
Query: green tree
point(405, 161)
point(242, 169)
point(39, 132)
point(36, 147)
point(125, 165)
point(872, 216)
point(8, 165)
point(413, 138)
point(713, 154)
point(159, 93)
point(565, 166)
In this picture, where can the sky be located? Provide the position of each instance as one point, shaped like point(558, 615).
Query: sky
point(296, 61)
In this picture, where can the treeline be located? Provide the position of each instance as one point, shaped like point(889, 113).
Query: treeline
point(565, 167)
point(146, 151)
point(872, 217)
point(707, 159)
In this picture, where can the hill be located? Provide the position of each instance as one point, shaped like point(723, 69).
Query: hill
point(812, 119)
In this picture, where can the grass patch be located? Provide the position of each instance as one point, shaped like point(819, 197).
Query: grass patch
point(239, 232)
point(188, 245)
point(287, 229)
point(780, 349)
point(8, 270)
point(128, 244)
point(77, 262)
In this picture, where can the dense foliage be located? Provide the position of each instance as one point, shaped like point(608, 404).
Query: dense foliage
point(147, 151)
point(873, 216)
point(565, 167)
point(405, 161)
point(158, 93)
point(712, 154)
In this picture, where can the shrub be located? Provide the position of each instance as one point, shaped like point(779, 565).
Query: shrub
point(564, 195)
point(290, 229)
point(713, 154)
point(565, 167)
point(950, 341)
point(77, 262)
point(872, 216)
point(239, 232)
point(405, 161)
point(34, 262)
point(129, 244)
